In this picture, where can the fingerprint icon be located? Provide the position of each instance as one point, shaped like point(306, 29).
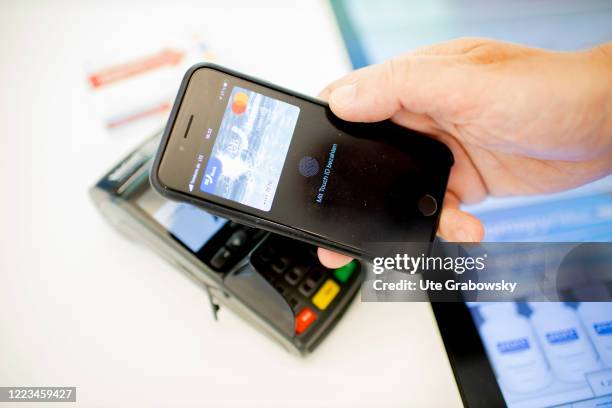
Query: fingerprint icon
point(308, 166)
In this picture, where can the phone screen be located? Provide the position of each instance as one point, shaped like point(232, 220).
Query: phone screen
point(282, 157)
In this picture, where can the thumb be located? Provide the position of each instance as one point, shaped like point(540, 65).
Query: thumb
point(423, 84)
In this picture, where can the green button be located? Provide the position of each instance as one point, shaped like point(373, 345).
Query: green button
point(343, 274)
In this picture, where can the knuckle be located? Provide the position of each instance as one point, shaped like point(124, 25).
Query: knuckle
point(395, 69)
point(484, 52)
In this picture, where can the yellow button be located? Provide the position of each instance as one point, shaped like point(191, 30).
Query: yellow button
point(326, 294)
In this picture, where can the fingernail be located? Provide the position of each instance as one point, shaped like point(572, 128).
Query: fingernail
point(343, 96)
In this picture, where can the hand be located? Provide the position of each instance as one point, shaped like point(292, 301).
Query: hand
point(518, 120)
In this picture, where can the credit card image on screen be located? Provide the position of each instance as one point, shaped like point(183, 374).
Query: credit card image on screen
point(247, 157)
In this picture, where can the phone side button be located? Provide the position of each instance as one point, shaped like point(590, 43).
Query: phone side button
point(427, 205)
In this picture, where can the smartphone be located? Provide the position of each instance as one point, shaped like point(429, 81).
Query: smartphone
point(272, 158)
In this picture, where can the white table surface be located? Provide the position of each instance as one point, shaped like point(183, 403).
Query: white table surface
point(82, 306)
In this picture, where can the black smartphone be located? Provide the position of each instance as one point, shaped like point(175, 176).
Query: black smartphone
point(272, 158)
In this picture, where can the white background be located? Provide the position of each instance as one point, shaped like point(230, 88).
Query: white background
point(82, 306)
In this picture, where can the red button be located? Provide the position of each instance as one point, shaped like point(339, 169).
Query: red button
point(304, 319)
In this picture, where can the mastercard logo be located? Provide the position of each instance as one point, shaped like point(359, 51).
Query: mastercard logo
point(239, 104)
